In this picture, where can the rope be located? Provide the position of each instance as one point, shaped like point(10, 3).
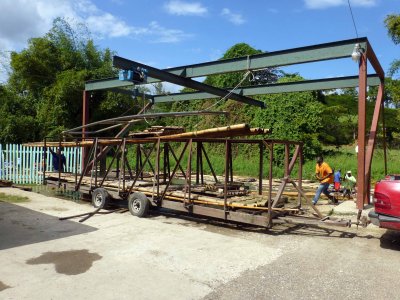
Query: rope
point(227, 95)
point(352, 17)
point(230, 92)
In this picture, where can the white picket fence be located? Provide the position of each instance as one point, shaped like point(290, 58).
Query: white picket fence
point(24, 165)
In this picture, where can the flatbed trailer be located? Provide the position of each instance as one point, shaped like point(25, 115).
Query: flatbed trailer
point(154, 181)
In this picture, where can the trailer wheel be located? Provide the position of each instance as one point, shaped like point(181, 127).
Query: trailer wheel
point(100, 198)
point(138, 204)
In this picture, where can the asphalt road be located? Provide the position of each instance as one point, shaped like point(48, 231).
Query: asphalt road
point(118, 256)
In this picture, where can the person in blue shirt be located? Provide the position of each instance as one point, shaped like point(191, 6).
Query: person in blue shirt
point(56, 161)
point(337, 179)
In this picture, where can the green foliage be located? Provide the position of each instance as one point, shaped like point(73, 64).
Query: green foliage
point(51, 73)
point(17, 117)
point(296, 117)
point(233, 79)
point(392, 23)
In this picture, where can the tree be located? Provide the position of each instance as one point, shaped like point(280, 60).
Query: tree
point(293, 116)
point(267, 75)
point(52, 71)
point(392, 86)
point(17, 117)
point(392, 23)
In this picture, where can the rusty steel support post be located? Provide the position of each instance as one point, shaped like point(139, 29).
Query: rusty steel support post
point(271, 159)
point(201, 163)
point(294, 158)
point(95, 165)
point(128, 166)
point(123, 163)
point(137, 159)
point(230, 163)
point(198, 153)
point(157, 172)
point(94, 151)
point(165, 158)
point(227, 159)
point(261, 168)
point(362, 193)
point(85, 169)
point(112, 161)
point(117, 170)
point(141, 170)
point(178, 162)
point(167, 161)
point(209, 164)
point(300, 174)
point(85, 120)
point(76, 162)
point(372, 137)
point(140, 161)
point(188, 181)
point(384, 136)
point(149, 162)
point(287, 154)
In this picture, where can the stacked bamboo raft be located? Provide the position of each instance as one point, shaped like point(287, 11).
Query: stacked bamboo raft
point(155, 131)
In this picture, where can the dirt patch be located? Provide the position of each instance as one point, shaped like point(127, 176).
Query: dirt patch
point(3, 286)
point(71, 262)
point(13, 198)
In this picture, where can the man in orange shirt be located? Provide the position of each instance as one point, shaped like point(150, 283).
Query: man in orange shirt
point(324, 174)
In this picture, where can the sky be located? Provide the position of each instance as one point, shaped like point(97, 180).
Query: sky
point(169, 33)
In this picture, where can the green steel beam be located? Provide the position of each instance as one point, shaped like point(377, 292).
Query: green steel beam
point(320, 52)
point(126, 64)
point(288, 87)
point(105, 84)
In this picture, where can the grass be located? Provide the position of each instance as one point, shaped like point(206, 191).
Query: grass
point(13, 198)
point(245, 161)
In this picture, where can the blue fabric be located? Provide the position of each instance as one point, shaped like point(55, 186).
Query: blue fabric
point(56, 162)
point(337, 176)
point(323, 188)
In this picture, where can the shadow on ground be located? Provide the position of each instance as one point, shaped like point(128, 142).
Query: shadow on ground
point(21, 226)
point(391, 240)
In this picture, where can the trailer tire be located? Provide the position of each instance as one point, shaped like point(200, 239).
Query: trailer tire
point(138, 204)
point(100, 198)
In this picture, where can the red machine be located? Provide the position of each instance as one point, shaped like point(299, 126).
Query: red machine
point(387, 203)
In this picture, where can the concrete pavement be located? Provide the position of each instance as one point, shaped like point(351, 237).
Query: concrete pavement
point(118, 256)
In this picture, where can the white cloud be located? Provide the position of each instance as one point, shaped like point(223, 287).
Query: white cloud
point(181, 8)
point(165, 35)
point(236, 19)
point(321, 4)
point(108, 25)
point(24, 19)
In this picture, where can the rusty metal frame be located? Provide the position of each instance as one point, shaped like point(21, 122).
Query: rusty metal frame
point(366, 149)
point(260, 216)
point(321, 52)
